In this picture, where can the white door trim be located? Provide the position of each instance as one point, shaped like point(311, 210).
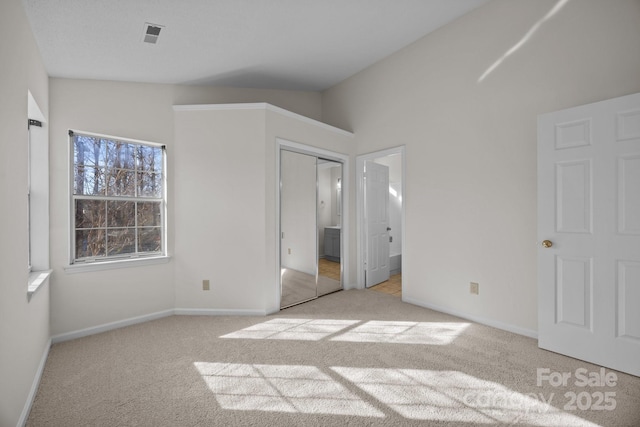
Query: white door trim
point(360, 221)
point(344, 242)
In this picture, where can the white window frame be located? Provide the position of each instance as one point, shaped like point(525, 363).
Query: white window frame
point(115, 261)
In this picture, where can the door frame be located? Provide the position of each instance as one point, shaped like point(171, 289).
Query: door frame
point(361, 225)
point(284, 144)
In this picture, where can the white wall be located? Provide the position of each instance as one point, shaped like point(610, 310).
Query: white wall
point(145, 112)
point(225, 205)
point(24, 325)
point(471, 145)
point(219, 209)
point(306, 103)
point(129, 110)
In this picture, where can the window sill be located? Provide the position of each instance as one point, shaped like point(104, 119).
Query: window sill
point(36, 280)
point(116, 264)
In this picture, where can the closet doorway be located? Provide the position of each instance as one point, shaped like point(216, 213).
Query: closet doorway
point(311, 244)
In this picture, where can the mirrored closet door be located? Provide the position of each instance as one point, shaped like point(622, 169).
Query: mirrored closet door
point(329, 226)
point(310, 218)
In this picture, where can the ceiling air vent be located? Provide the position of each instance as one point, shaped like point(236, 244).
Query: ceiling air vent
point(151, 32)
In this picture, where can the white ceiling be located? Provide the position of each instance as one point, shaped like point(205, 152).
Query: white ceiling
point(273, 44)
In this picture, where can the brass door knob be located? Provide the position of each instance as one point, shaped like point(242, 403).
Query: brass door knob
point(547, 243)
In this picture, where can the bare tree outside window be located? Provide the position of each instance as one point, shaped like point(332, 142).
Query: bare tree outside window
point(118, 198)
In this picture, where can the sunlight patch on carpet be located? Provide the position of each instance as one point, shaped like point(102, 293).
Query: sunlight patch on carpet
point(453, 396)
point(293, 329)
point(376, 331)
point(429, 333)
point(281, 388)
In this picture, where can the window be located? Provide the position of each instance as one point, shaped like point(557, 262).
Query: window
point(33, 170)
point(29, 168)
point(37, 197)
point(118, 198)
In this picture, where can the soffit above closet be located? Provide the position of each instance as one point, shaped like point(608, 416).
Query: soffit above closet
point(270, 44)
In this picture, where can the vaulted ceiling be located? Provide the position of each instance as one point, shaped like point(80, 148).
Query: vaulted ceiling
point(276, 44)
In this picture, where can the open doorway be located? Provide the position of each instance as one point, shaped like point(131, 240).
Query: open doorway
point(380, 217)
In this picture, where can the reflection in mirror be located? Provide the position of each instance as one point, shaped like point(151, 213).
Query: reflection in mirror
point(298, 257)
point(329, 226)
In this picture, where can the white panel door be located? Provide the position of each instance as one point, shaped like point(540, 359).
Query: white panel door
point(376, 201)
point(589, 233)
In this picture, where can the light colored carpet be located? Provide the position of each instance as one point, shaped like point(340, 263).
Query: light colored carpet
point(357, 358)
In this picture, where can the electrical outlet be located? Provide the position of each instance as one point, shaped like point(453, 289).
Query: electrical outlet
point(474, 288)
point(205, 285)
point(289, 251)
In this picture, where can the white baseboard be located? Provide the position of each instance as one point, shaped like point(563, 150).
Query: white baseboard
point(217, 312)
point(34, 387)
point(489, 322)
point(110, 326)
point(153, 316)
point(225, 312)
point(115, 325)
point(272, 311)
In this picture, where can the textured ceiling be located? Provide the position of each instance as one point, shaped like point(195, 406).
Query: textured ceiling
point(274, 44)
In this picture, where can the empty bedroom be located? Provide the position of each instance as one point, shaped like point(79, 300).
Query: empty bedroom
point(305, 212)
